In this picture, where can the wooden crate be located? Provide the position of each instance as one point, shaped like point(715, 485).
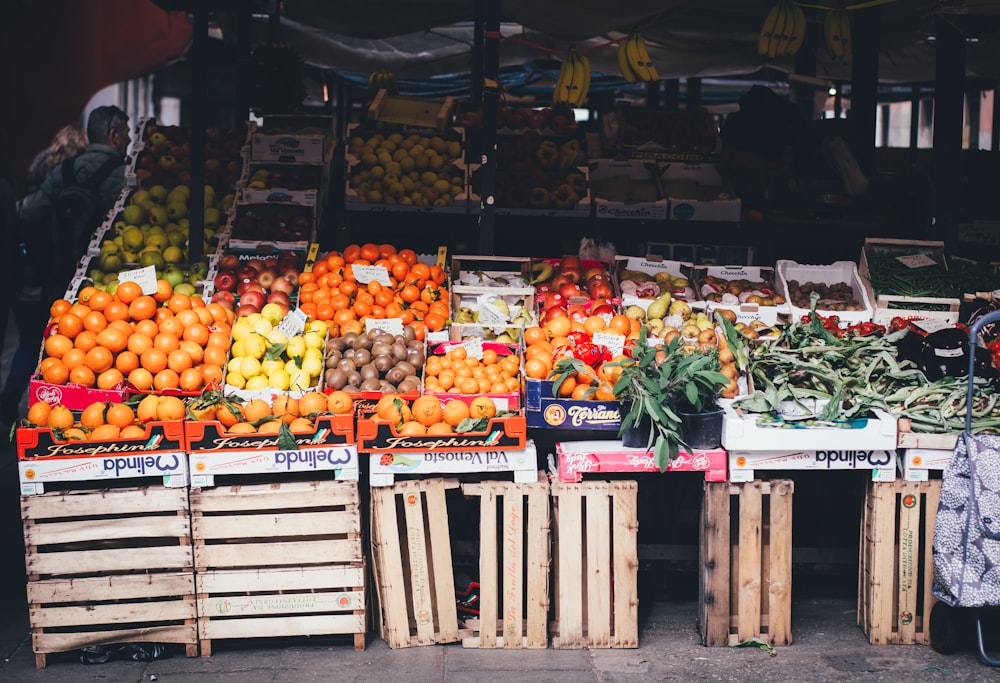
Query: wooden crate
point(745, 580)
point(597, 561)
point(419, 112)
point(109, 566)
point(896, 568)
point(277, 560)
point(513, 564)
point(412, 564)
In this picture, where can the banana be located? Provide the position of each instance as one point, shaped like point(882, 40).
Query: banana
point(767, 32)
point(837, 35)
point(623, 64)
point(635, 59)
point(542, 270)
point(798, 32)
point(576, 84)
point(644, 56)
point(845, 36)
point(583, 69)
point(774, 47)
point(559, 95)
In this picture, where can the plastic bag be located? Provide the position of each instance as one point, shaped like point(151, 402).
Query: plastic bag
point(135, 652)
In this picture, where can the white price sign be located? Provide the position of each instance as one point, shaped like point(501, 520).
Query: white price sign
point(390, 325)
point(144, 277)
point(294, 323)
point(916, 260)
point(614, 342)
point(366, 274)
point(474, 348)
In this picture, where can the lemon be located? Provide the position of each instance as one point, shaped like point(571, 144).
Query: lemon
point(278, 380)
point(298, 380)
point(313, 340)
point(312, 366)
point(272, 366)
point(317, 326)
point(241, 329)
point(235, 379)
point(255, 346)
point(257, 383)
point(238, 349)
point(313, 353)
point(277, 336)
point(249, 367)
point(296, 346)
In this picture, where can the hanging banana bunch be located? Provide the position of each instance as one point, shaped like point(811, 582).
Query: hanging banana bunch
point(382, 80)
point(837, 35)
point(783, 31)
point(634, 61)
point(573, 81)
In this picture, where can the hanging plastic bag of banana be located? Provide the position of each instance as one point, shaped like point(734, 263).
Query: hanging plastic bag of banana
point(783, 31)
point(837, 35)
point(382, 80)
point(634, 61)
point(574, 79)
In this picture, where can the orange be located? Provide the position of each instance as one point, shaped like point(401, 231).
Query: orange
point(59, 417)
point(106, 432)
point(242, 428)
point(153, 360)
point(109, 379)
point(186, 316)
point(57, 344)
point(56, 373)
point(85, 293)
point(204, 315)
point(133, 432)
point(161, 314)
point(93, 415)
point(218, 312)
point(142, 308)
point(86, 340)
point(112, 339)
point(79, 310)
point(146, 410)
point(256, 409)
point(269, 427)
point(128, 292)
point(70, 325)
point(219, 339)
point(94, 321)
point(286, 407)
point(482, 406)
point(301, 425)
point(427, 409)
point(169, 408)
point(593, 324)
point(164, 290)
point(392, 408)
point(229, 413)
point(191, 379)
point(620, 324)
point(411, 428)
point(99, 359)
point(567, 386)
point(454, 412)
point(138, 342)
point(197, 333)
point(99, 300)
point(116, 310)
point(166, 379)
point(536, 368)
point(82, 375)
point(580, 391)
point(469, 385)
point(211, 374)
point(171, 325)
point(179, 361)
point(312, 402)
point(206, 413)
point(148, 328)
point(120, 415)
point(126, 362)
point(604, 392)
point(58, 308)
point(215, 355)
point(196, 352)
point(38, 413)
point(440, 429)
point(339, 403)
point(178, 303)
point(559, 326)
point(141, 379)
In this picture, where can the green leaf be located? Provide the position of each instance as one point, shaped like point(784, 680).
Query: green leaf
point(286, 440)
point(274, 351)
point(472, 425)
point(756, 642)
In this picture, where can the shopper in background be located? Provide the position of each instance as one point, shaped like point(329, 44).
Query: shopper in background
point(67, 143)
point(46, 254)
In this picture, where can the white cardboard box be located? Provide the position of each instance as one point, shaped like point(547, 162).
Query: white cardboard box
point(741, 432)
point(839, 271)
point(635, 170)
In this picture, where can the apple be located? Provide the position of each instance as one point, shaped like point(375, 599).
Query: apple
point(229, 262)
point(292, 275)
point(246, 272)
point(283, 284)
point(256, 263)
point(601, 290)
point(571, 274)
point(266, 277)
point(558, 281)
point(543, 287)
point(243, 310)
point(225, 298)
point(594, 271)
point(253, 297)
point(279, 298)
point(602, 309)
point(577, 312)
point(570, 290)
point(226, 281)
point(553, 312)
point(271, 262)
point(570, 261)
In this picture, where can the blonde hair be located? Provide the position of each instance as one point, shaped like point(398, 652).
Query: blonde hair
point(68, 142)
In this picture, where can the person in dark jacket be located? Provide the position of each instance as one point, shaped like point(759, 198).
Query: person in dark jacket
point(107, 130)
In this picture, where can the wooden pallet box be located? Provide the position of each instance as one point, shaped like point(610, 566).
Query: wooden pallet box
point(514, 560)
point(745, 579)
point(896, 568)
point(596, 565)
point(277, 560)
point(109, 566)
point(412, 563)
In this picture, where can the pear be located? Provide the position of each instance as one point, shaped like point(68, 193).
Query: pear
point(659, 307)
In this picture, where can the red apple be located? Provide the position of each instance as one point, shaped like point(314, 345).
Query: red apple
point(271, 262)
point(577, 312)
point(543, 287)
point(283, 284)
point(602, 308)
point(225, 280)
point(256, 263)
point(593, 271)
point(553, 312)
point(225, 298)
point(276, 297)
point(570, 289)
point(243, 310)
point(571, 274)
point(601, 290)
point(243, 285)
point(253, 297)
point(247, 272)
point(558, 281)
point(229, 262)
point(570, 261)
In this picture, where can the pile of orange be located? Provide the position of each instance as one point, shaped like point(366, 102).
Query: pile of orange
point(542, 351)
point(415, 293)
point(456, 372)
point(156, 342)
point(430, 415)
point(257, 416)
point(101, 421)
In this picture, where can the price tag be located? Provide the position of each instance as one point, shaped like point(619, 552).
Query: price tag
point(442, 256)
point(474, 347)
point(144, 277)
point(916, 261)
point(930, 325)
point(366, 274)
point(311, 257)
point(489, 312)
point(390, 325)
point(614, 342)
point(294, 323)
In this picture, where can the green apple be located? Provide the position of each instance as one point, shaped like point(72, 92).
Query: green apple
point(133, 214)
point(151, 257)
point(159, 193)
point(174, 276)
point(173, 254)
point(176, 210)
point(185, 288)
point(132, 238)
point(111, 261)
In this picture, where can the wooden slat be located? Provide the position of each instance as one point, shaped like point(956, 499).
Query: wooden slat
point(288, 579)
point(266, 604)
point(444, 572)
point(597, 576)
point(265, 627)
point(128, 587)
point(749, 569)
point(537, 559)
point(111, 560)
point(420, 561)
point(488, 562)
point(514, 565)
point(570, 529)
point(87, 530)
point(713, 577)
point(388, 564)
point(89, 614)
point(779, 590)
point(931, 503)
point(286, 496)
point(277, 524)
point(626, 563)
point(883, 568)
point(63, 642)
point(908, 559)
point(106, 502)
point(277, 554)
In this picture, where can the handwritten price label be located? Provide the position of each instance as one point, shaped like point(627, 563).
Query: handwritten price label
point(294, 323)
point(144, 277)
point(366, 274)
point(474, 347)
point(614, 342)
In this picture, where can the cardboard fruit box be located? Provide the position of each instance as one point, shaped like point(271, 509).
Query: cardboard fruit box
point(73, 396)
point(292, 139)
point(627, 189)
point(42, 442)
point(210, 436)
point(839, 272)
point(543, 409)
point(285, 225)
point(652, 265)
point(501, 433)
point(713, 281)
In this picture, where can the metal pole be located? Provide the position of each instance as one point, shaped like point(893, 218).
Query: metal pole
point(491, 102)
point(478, 53)
point(199, 122)
point(914, 120)
point(864, 85)
point(949, 93)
